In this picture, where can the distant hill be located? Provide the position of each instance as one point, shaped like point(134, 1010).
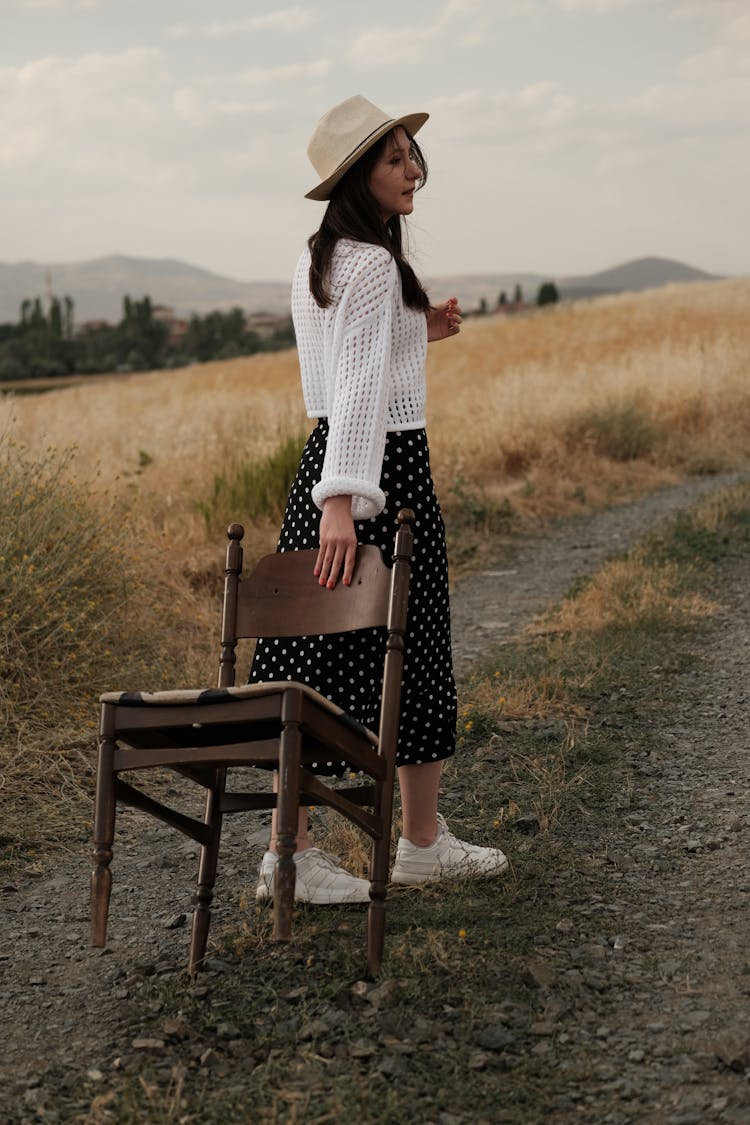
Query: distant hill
point(98, 286)
point(641, 273)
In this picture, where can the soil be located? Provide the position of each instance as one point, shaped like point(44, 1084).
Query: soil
point(650, 951)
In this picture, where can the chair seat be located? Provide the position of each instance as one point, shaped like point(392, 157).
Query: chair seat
point(202, 696)
point(232, 725)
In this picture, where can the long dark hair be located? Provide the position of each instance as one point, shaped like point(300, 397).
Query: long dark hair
point(353, 212)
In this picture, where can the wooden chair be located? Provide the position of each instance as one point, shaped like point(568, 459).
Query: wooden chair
point(280, 724)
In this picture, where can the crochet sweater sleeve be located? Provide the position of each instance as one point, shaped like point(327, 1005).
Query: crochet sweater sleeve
point(358, 384)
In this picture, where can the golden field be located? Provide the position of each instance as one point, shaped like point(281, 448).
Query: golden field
point(532, 416)
point(537, 408)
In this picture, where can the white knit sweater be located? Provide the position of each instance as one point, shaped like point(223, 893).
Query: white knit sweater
point(362, 366)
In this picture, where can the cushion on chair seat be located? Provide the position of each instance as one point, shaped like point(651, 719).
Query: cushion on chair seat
point(180, 697)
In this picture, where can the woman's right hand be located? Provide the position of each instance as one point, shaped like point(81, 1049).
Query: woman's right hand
point(338, 542)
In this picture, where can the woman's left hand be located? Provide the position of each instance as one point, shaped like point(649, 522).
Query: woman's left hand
point(443, 320)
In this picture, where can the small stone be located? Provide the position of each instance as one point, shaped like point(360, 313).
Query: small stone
point(362, 1049)
point(539, 974)
point(496, 1038)
point(175, 922)
point(636, 1055)
point(478, 1060)
point(595, 981)
point(228, 1031)
point(360, 988)
point(313, 1029)
point(385, 993)
point(94, 1075)
point(543, 1047)
point(175, 1028)
point(733, 1052)
point(392, 1066)
point(37, 980)
point(147, 1044)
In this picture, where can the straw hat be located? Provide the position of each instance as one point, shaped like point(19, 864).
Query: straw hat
point(345, 133)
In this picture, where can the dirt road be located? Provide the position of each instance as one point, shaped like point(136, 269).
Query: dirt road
point(646, 998)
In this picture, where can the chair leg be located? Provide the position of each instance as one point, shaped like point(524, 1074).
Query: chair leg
point(104, 834)
point(206, 877)
point(379, 857)
point(379, 861)
point(287, 819)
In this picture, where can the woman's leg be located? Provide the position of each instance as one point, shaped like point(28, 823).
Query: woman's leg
point(419, 786)
point(427, 850)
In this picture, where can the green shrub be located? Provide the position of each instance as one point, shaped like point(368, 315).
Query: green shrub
point(619, 431)
point(253, 489)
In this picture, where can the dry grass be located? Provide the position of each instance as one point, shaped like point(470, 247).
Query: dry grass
point(628, 593)
point(539, 415)
point(552, 412)
point(524, 405)
point(82, 609)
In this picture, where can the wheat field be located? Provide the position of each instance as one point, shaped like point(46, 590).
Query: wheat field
point(522, 408)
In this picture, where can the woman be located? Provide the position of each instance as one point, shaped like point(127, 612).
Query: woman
point(362, 321)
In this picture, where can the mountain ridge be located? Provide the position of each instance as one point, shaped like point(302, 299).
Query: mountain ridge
point(98, 285)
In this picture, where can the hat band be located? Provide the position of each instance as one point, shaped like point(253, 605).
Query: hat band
point(363, 142)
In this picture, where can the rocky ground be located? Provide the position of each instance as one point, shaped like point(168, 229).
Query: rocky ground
point(644, 979)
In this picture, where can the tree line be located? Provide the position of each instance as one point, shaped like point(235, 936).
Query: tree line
point(44, 343)
point(547, 294)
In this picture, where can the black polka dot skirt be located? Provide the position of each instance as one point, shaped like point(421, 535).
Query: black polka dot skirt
point(347, 667)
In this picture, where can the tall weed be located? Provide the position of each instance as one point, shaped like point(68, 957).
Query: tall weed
point(618, 431)
point(83, 609)
point(253, 490)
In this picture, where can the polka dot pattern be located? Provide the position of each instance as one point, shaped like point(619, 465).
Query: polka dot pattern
point(347, 667)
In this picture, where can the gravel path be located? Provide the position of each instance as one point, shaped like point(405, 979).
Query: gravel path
point(654, 961)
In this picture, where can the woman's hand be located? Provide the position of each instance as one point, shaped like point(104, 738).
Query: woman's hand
point(338, 542)
point(443, 320)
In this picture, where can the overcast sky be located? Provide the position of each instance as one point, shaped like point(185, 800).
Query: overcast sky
point(565, 135)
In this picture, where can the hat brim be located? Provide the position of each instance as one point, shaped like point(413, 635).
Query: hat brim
point(412, 122)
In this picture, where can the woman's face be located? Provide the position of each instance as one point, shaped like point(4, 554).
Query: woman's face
point(395, 176)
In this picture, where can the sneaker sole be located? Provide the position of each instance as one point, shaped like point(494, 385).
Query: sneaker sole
point(414, 878)
point(265, 894)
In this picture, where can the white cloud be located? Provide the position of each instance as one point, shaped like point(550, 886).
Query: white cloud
point(51, 3)
point(464, 21)
point(272, 75)
point(533, 117)
point(70, 112)
point(284, 19)
point(601, 7)
point(708, 9)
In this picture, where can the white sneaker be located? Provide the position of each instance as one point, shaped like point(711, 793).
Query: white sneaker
point(320, 879)
point(447, 858)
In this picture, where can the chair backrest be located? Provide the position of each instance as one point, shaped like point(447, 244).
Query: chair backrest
point(281, 598)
